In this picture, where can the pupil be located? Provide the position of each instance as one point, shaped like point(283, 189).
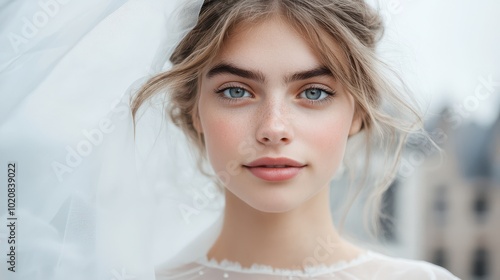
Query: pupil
point(236, 92)
point(313, 94)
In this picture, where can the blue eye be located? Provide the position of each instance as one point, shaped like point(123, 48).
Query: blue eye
point(317, 95)
point(233, 92)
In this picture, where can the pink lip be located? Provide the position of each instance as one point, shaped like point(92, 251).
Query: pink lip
point(275, 174)
point(259, 169)
point(275, 161)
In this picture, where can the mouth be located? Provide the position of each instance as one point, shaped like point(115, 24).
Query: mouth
point(271, 166)
point(274, 173)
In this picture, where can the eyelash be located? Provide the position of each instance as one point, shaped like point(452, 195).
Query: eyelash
point(327, 99)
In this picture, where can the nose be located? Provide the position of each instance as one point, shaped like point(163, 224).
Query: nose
point(274, 126)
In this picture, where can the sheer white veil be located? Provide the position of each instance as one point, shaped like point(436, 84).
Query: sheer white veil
point(91, 201)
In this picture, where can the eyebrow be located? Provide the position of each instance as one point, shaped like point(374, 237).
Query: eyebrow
point(228, 68)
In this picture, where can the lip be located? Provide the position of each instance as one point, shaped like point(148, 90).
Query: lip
point(258, 168)
point(274, 161)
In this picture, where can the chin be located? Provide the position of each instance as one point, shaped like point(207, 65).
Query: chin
point(273, 200)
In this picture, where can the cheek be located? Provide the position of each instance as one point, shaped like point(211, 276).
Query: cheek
point(327, 139)
point(222, 135)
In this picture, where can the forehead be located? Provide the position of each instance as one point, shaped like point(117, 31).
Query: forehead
point(274, 42)
point(267, 41)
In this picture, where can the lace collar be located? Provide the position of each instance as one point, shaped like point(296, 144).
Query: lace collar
point(309, 271)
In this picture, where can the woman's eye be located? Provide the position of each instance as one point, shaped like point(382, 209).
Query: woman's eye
point(234, 92)
point(313, 93)
point(317, 95)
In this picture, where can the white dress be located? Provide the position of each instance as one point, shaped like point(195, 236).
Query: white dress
point(368, 265)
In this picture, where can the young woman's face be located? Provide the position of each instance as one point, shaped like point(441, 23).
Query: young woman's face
point(268, 95)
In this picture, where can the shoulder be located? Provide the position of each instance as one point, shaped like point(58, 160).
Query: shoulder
point(399, 268)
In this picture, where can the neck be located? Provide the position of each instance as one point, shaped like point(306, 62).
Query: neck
point(291, 240)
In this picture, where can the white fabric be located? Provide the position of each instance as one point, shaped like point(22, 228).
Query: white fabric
point(369, 265)
point(90, 202)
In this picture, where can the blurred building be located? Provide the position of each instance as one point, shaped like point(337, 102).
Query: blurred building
point(445, 207)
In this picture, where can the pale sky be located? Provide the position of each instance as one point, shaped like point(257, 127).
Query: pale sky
point(444, 47)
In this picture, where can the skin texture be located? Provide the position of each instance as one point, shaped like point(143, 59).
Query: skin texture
point(282, 224)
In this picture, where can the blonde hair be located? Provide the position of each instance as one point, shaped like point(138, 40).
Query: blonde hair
point(350, 26)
